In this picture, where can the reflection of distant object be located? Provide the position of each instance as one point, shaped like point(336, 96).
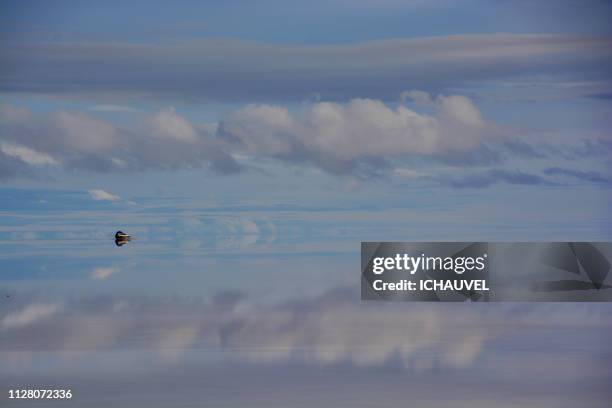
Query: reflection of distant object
point(121, 242)
point(121, 238)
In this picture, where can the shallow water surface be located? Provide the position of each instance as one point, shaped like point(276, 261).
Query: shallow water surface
point(259, 306)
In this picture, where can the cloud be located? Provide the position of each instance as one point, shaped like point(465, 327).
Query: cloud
point(101, 195)
point(27, 155)
point(495, 176)
point(345, 138)
point(586, 176)
point(235, 70)
point(338, 332)
point(362, 138)
point(74, 140)
point(29, 315)
point(167, 124)
point(330, 329)
point(333, 328)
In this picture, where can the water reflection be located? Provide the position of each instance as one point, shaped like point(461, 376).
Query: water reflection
point(121, 238)
point(263, 309)
point(84, 341)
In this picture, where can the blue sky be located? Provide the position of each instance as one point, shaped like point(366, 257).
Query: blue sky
point(250, 147)
point(336, 21)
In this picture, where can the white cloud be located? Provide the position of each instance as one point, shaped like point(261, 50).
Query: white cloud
point(101, 195)
point(329, 133)
point(27, 155)
point(333, 328)
point(168, 124)
point(84, 133)
point(459, 109)
point(361, 138)
point(29, 315)
point(164, 140)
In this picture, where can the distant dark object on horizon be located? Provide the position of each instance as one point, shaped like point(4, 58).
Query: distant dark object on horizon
point(121, 238)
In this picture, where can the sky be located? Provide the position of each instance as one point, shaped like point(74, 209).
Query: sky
point(249, 147)
point(354, 95)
